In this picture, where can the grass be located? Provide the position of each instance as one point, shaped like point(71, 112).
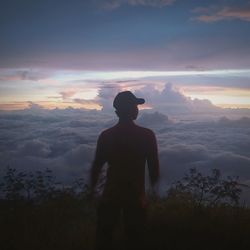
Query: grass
point(37, 214)
point(68, 223)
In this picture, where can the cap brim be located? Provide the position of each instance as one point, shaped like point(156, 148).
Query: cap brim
point(140, 101)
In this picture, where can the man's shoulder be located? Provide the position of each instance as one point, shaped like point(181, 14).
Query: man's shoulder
point(108, 131)
point(136, 128)
point(145, 130)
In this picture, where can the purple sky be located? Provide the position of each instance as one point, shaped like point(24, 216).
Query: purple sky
point(62, 53)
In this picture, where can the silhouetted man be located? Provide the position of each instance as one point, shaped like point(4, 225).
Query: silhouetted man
point(126, 148)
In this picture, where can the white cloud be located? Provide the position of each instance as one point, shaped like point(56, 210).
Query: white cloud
point(168, 100)
point(171, 100)
point(106, 96)
point(34, 106)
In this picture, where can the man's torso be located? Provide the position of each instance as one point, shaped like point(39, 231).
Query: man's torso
point(126, 149)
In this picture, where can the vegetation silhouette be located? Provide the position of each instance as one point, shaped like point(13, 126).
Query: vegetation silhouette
point(208, 190)
point(63, 217)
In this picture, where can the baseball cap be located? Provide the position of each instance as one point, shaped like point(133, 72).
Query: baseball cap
point(125, 99)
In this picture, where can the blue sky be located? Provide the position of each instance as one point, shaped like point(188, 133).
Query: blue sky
point(122, 35)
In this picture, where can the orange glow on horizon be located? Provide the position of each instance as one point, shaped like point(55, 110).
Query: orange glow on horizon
point(48, 105)
point(234, 106)
point(220, 96)
point(58, 105)
point(92, 106)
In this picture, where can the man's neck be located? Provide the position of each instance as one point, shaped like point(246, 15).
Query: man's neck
point(125, 121)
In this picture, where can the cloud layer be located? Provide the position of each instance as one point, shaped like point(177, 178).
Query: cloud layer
point(65, 140)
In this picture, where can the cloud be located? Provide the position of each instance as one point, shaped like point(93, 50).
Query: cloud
point(114, 4)
point(106, 95)
point(153, 3)
point(233, 164)
point(80, 155)
point(225, 13)
point(166, 100)
point(242, 122)
point(24, 74)
point(171, 100)
point(62, 140)
point(65, 141)
point(36, 148)
point(67, 94)
point(34, 106)
point(88, 104)
point(109, 4)
point(176, 158)
point(153, 119)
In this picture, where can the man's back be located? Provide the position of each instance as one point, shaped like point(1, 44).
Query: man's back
point(126, 147)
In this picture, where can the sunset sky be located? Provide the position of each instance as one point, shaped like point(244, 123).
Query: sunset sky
point(64, 53)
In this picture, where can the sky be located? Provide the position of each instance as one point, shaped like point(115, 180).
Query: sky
point(60, 54)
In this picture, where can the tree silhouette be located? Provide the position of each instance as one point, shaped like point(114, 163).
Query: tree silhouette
point(210, 190)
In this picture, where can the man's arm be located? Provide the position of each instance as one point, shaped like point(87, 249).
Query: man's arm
point(153, 160)
point(99, 160)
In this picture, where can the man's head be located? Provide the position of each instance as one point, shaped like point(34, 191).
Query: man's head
point(126, 103)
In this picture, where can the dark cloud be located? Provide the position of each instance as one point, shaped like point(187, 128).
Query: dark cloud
point(177, 158)
point(35, 148)
point(233, 164)
point(153, 119)
point(24, 74)
point(242, 122)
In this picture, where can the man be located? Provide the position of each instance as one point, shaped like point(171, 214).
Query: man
point(126, 148)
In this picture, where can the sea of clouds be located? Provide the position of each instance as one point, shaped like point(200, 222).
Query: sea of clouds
point(65, 140)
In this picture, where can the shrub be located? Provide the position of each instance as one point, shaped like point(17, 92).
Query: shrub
point(210, 190)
